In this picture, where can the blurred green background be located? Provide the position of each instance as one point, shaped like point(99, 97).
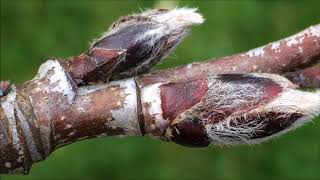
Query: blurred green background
point(32, 31)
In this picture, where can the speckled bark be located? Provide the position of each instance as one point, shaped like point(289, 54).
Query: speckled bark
point(295, 52)
point(308, 77)
point(191, 105)
point(50, 111)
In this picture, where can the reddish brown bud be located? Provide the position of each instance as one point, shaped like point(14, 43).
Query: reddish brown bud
point(190, 132)
point(140, 41)
point(225, 109)
point(178, 97)
point(96, 65)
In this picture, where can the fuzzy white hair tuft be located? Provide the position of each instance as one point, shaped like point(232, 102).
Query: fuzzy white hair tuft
point(238, 128)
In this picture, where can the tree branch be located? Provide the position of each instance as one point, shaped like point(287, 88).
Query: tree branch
point(286, 55)
point(190, 105)
point(308, 77)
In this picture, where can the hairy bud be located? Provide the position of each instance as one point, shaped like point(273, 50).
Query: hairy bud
point(141, 41)
point(226, 109)
point(147, 38)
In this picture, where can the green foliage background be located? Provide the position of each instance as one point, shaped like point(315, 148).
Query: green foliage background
point(32, 31)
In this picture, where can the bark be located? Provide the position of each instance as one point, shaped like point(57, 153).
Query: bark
point(308, 77)
point(286, 55)
point(50, 111)
point(191, 105)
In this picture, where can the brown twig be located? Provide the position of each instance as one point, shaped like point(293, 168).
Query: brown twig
point(308, 77)
point(188, 105)
point(286, 55)
point(50, 111)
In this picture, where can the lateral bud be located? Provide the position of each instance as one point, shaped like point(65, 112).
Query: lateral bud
point(132, 45)
point(226, 109)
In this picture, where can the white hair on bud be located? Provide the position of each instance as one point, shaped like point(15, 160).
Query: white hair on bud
point(233, 131)
point(177, 17)
point(161, 31)
point(176, 21)
point(292, 101)
point(225, 95)
point(222, 95)
point(170, 21)
point(167, 21)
